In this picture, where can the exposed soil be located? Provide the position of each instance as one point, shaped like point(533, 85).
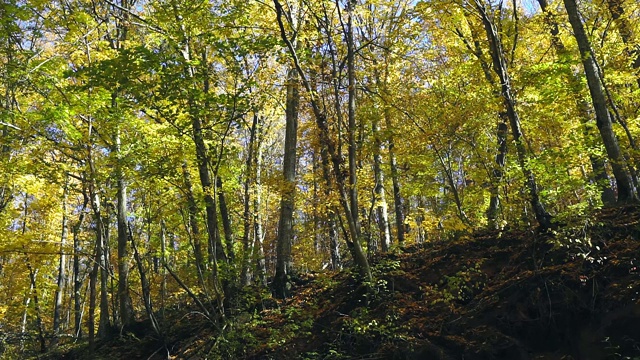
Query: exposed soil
point(571, 293)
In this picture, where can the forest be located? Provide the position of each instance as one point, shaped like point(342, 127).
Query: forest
point(211, 161)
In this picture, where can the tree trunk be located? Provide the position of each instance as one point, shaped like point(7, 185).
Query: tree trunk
point(501, 133)
point(101, 263)
point(626, 189)
point(245, 275)
point(398, 203)
point(494, 202)
point(93, 279)
point(215, 243)
point(448, 172)
point(287, 201)
point(124, 298)
point(77, 280)
point(100, 260)
point(226, 220)
point(125, 308)
point(62, 276)
point(329, 148)
point(33, 289)
point(192, 208)
point(215, 246)
point(146, 287)
point(500, 67)
point(258, 251)
point(356, 232)
point(600, 176)
point(40, 326)
point(163, 259)
point(380, 200)
point(25, 312)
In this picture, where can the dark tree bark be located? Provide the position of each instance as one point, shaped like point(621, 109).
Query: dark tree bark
point(258, 251)
point(380, 200)
point(500, 68)
point(117, 41)
point(192, 208)
point(215, 243)
point(249, 178)
point(625, 186)
point(215, 246)
point(398, 202)
point(62, 276)
point(600, 176)
point(33, 289)
point(100, 260)
point(329, 149)
point(36, 303)
point(287, 201)
point(502, 130)
point(494, 202)
point(77, 279)
point(146, 286)
point(226, 219)
point(354, 222)
point(127, 316)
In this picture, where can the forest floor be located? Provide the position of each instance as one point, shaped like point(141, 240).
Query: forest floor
point(570, 293)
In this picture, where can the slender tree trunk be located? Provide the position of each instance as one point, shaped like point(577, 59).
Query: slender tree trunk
point(125, 308)
point(258, 251)
point(380, 198)
point(356, 232)
point(329, 216)
point(625, 186)
point(100, 260)
point(124, 298)
point(245, 275)
point(600, 176)
point(101, 263)
point(226, 220)
point(393, 162)
point(215, 246)
point(93, 279)
point(287, 201)
point(146, 287)
point(40, 326)
point(494, 202)
point(23, 327)
point(501, 133)
point(33, 288)
point(215, 243)
point(500, 67)
point(452, 184)
point(62, 276)
point(332, 217)
point(192, 208)
point(77, 279)
point(336, 159)
point(163, 259)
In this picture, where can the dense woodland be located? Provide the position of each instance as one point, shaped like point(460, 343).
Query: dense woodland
point(162, 152)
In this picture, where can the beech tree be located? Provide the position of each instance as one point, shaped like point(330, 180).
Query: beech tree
point(624, 184)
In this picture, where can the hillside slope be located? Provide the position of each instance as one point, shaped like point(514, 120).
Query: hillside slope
point(573, 293)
